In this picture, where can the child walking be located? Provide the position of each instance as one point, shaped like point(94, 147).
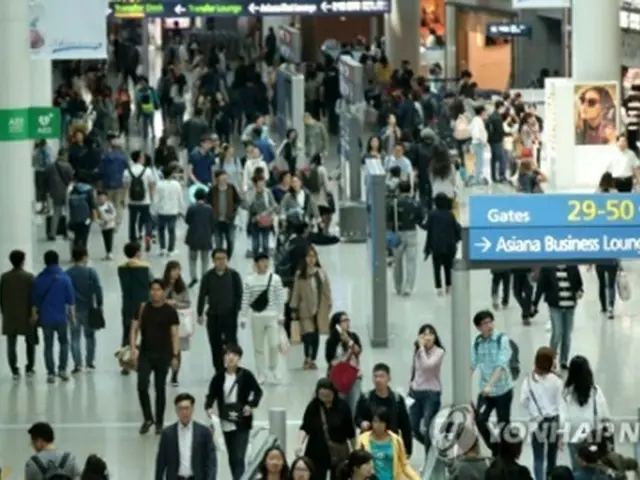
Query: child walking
point(107, 222)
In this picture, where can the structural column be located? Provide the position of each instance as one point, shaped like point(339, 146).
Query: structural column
point(450, 40)
point(402, 33)
point(595, 40)
point(17, 191)
point(42, 89)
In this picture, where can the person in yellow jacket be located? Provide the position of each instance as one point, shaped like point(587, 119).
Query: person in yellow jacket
point(390, 461)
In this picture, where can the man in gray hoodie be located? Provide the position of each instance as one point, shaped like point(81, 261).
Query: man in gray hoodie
point(57, 178)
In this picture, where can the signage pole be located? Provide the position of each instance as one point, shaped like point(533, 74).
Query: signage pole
point(461, 331)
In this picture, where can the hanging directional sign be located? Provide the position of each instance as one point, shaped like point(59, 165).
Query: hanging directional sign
point(554, 227)
point(221, 8)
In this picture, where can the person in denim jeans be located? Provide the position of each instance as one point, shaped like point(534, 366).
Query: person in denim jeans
point(139, 207)
point(491, 356)
point(425, 386)
point(88, 293)
point(343, 345)
point(562, 287)
point(53, 304)
point(262, 209)
point(540, 396)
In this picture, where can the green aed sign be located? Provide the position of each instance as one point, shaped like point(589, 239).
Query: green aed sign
point(33, 123)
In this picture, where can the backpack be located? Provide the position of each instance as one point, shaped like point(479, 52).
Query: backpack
point(514, 361)
point(79, 210)
point(312, 180)
point(52, 471)
point(137, 189)
point(284, 267)
point(261, 302)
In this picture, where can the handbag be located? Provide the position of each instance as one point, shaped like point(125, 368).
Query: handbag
point(393, 237)
point(461, 129)
point(343, 375)
point(186, 322)
point(338, 452)
point(96, 317)
point(623, 286)
point(296, 335)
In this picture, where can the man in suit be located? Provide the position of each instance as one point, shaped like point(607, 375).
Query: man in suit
point(186, 450)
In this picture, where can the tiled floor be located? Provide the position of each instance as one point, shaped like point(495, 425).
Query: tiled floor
point(99, 412)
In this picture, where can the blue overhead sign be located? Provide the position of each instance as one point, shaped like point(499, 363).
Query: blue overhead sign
point(554, 227)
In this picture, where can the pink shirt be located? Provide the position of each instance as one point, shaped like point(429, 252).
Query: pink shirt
point(427, 366)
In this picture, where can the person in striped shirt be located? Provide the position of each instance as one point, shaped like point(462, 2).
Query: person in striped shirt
point(263, 300)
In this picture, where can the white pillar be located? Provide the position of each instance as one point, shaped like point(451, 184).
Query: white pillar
point(595, 40)
point(402, 33)
point(451, 36)
point(17, 191)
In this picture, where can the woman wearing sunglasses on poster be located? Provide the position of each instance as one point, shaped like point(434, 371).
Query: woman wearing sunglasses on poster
point(595, 116)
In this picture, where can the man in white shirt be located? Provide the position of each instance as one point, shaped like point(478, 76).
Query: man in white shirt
point(624, 166)
point(191, 441)
point(168, 204)
point(479, 138)
point(139, 181)
point(263, 299)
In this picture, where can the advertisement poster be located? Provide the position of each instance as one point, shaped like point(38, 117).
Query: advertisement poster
point(53, 36)
point(596, 113)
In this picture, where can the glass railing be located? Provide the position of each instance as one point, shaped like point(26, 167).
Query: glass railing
point(260, 441)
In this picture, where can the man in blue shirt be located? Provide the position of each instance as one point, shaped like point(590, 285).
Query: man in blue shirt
point(111, 171)
point(201, 162)
point(491, 356)
point(53, 304)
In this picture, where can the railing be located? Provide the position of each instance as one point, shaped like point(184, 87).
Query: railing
point(264, 438)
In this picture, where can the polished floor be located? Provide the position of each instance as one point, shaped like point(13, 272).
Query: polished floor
point(99, 412)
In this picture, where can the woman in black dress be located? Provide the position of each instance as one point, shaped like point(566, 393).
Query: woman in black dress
point(327, 432)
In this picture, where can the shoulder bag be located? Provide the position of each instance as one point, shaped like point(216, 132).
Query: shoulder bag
point(344, 374)
point(261, 302)
point(230, 411)
point(96, 317)
point(622, 285)
point(338, 452)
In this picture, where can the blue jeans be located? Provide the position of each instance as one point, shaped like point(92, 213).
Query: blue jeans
point(90, 343)
point(423, 411)
point(146, 120)
point(544, 443)
point(561, 329)
point(143, 213)
point(260, 239)
point(48, 332)
point(478, 153)
point(167, 224)
point(225, 233)
point(498, 163)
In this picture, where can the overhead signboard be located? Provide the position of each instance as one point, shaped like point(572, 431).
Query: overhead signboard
point(553, 227)
point(537, 4)
point(219, 8)
point(509, 30)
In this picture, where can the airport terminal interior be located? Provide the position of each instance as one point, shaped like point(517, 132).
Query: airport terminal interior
point(99, 413)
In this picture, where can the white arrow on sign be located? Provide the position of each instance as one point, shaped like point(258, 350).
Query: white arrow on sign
point(325, 7)
point(179, 9)
point(253, 8)
point(485, 244)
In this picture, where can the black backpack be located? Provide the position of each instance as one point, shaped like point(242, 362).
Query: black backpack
point(514, 361)
point(261, 302)
point(312, 180)
point(79, 209)
point(52, 470)
point(137, 189)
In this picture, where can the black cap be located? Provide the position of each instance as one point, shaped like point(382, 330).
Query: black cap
point(260, 256)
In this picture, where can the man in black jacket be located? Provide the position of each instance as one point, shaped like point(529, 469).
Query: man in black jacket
point(382, 396)
point(221, 293)
point(495, 137)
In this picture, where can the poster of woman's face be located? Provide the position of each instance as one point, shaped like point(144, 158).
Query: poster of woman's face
point(596, 113)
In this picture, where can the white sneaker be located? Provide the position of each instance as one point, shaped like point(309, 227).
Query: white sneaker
point(162, 253)
point(547, 327)
point(260, 378)
point(172, 253)
point(274, 378)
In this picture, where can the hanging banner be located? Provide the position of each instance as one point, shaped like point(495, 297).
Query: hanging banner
point(67, 30)
point(596, 112)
